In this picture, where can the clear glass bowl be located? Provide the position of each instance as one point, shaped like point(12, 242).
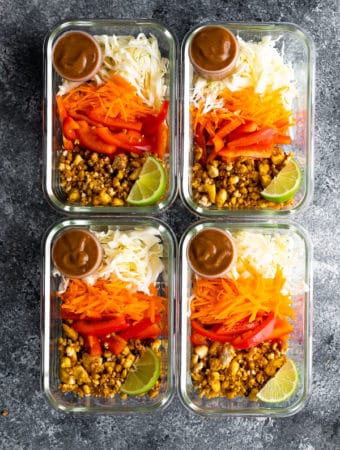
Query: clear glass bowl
point(52, 133)
point(51, 323)
point(299, 345)
point(297, 51)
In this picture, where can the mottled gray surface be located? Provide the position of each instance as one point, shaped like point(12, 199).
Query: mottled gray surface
point(31, 423)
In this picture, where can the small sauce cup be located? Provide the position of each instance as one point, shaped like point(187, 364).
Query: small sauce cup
point(211, 252)
point(214, 52)
point(77, 56)
point(77, 253)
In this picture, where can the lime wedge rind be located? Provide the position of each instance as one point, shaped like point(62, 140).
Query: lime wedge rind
point(285, 185)
point(145, 376)
point(282, 386)
point(150, 185)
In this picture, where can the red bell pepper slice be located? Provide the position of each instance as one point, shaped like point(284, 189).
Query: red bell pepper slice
point(152, 122)
point(80, 115)
point(162, 140)
point(239, 327)
point(210, 334)
point(255, 151)
point(255, 337)
point(197, 339)
point(282, 329)
point(93, 345)
point(68, 144)
point(163, 112)
point(62, 111)
point(94, 315)
point(115, 343)
point(227, 128)
point(68, 315)
point(90, 140)
point(200, 137)
point(264, 135)
point(243, 130)
point(283, 139)
point(124, 141)
point(136, 330)
point(218, 142)
point(69, 128)
point(99, 116)
point(152, 331)
point(100, 327)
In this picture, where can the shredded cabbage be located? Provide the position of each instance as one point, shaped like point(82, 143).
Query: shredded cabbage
point(133, 256)
point(260, 66)
point(264, 252)
point(138, 60)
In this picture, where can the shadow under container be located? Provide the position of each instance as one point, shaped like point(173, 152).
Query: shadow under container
point(52, 130)
point(51, 322)
point(300, 342)
point(297, 51)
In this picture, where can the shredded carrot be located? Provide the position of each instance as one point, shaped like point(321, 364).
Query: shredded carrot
point(265, 110)
point(218, 127)
point(116, 98)
point(106, 297)
point(226, 301)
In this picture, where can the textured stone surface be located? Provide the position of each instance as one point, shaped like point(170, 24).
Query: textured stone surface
point(25, 215)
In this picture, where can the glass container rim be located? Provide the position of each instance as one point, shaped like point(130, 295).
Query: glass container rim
point(184, 191)
point(47, 129)
point(45, 311)
point(268, 411)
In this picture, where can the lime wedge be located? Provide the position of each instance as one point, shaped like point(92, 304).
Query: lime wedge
point(285, 185)
point(282, 385)
point(144, 375)
point(150, 185)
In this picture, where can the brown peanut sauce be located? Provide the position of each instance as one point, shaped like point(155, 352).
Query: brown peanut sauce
point(212, 48)
point(76, 55)
point(76, 253)
point(211, 252)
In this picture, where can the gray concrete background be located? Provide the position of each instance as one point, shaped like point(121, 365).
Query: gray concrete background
point(24, 215)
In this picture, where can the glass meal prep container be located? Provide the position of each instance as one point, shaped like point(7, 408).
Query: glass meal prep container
point(99, 133)
point(239, 132)
point(98, 330)
point(227, 356)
